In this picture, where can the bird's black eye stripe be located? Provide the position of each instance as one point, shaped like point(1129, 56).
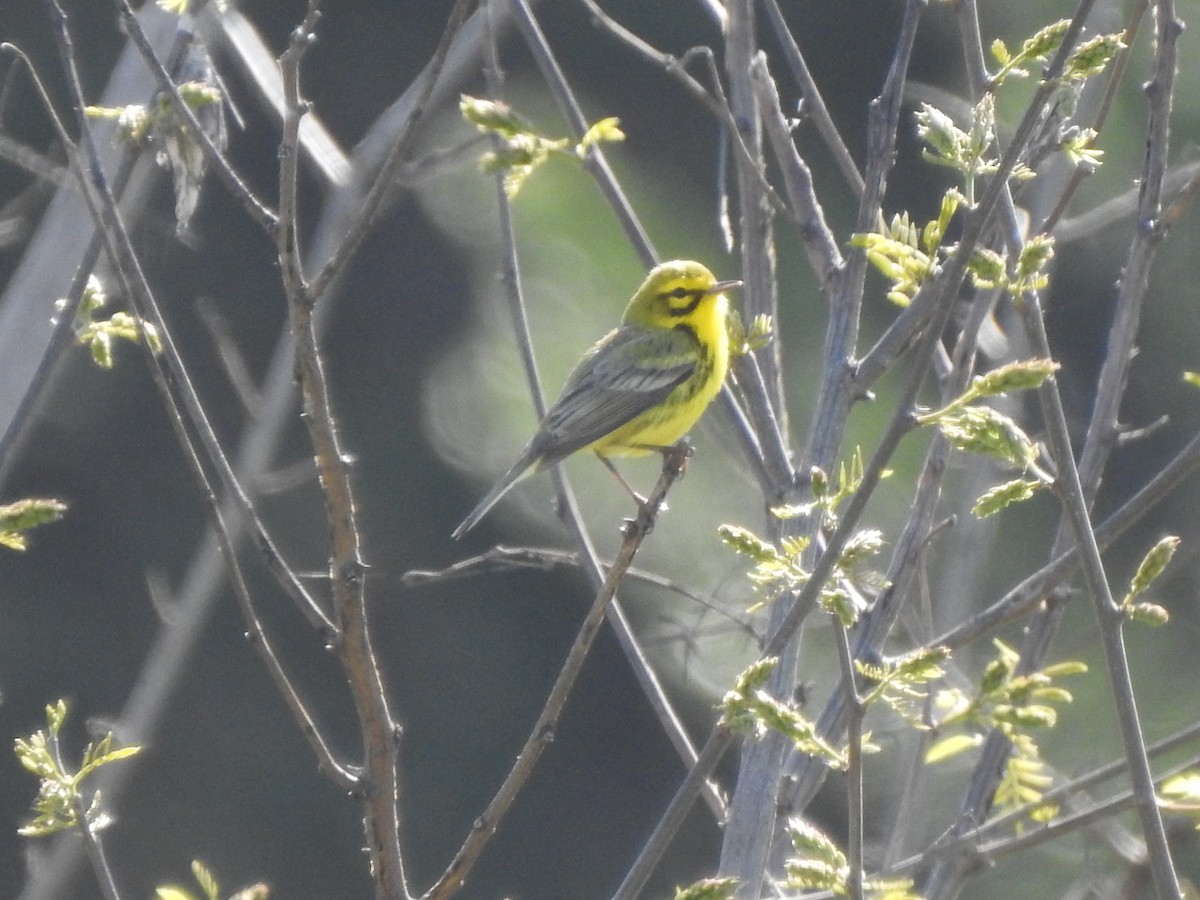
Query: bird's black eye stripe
point(693, 298)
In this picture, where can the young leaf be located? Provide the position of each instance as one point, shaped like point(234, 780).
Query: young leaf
point(1092, 56)
point(605, 130)
point(1004, 495)
point(747, 543)
point(21, 516)
point(1152, 565)
point(1015, 376)
point(709, 889)
point(981, 429)
point(947, 747)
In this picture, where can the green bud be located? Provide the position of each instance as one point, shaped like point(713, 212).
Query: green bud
point(1046, 41)
point(1152, 565)
point(1003, 495)
point(1092, 56)
point(747, 543)
point(492, 116)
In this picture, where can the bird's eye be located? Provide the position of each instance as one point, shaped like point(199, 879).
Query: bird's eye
point(679, 293)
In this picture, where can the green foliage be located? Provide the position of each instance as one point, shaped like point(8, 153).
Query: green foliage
point(1092, 57)
point(1021, 375)
point(900, 683)
point(1014, 704)
point(981, 429)
point(24, 515)
point(99, 334)
point(744, 340)
point(825, 502)
point(906, 255)
point(1003, 495)
point(137, 122)
point(779, 569)
point(60, 795)
point(525, 150)
point(819, 865)
point(749, 709)
point(969, 152)
point(209, 888)
point(989, 269)
point(1037, 48)
point(1180, 794)
point(1024, 781)
point(709, 889)
point(1077, 145)
point(1152, 565)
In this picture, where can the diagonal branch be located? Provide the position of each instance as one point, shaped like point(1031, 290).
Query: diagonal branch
point(674, 463)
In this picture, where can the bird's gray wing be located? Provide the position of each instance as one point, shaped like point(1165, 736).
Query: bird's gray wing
point(627, 373)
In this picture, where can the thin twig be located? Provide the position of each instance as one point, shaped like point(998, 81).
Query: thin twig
point(1102, 436)
point(720, 739)
point(545, 559)
point(107, 216)
point(377, 728)
point(818, 239)
point(814, 103)
point(543, 730)
point(714, 101)
point(1084, 782)
point(1108, 615)
point(752, 830)
point(752, 812)
point(240, 191)
point(1182, 180)
point(92, 844)
point(1034, 589)
point(854, 763)
point(61, 340)
point(623, 209)
point(373, 201)
point(33, 162)
point(838, 390)
point(595, 161)
point(1116, 76)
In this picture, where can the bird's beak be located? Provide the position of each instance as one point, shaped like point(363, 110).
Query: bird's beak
point(722, 286)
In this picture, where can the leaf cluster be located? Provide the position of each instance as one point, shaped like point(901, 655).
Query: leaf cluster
point(1089, 58)
point(60, 793)
point(982, 429)
point(523, 149)
point(908, 256)
point(21, 516)
point(99, 334)
point(209, 888)
point(820, 865)
point(900, 683)
point(1151, 566)
point(1015, 704)
point(748, 708)
point(139, 123)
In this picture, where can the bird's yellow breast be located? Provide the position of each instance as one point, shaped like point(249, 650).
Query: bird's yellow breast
point(665, 423)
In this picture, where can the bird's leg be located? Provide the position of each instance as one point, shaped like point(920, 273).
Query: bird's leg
point(675, 457)
point(608, 464)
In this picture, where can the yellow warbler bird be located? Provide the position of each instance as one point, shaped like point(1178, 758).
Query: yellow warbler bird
point(641, 386)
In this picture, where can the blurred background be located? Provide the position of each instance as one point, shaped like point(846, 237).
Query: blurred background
point(433, 405)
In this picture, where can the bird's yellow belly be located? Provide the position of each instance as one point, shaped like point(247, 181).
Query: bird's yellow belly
point(665, 424)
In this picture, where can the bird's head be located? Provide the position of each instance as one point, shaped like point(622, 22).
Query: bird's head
point(675, 292)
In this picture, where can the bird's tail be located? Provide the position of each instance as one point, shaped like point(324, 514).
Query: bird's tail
point(522, 467)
